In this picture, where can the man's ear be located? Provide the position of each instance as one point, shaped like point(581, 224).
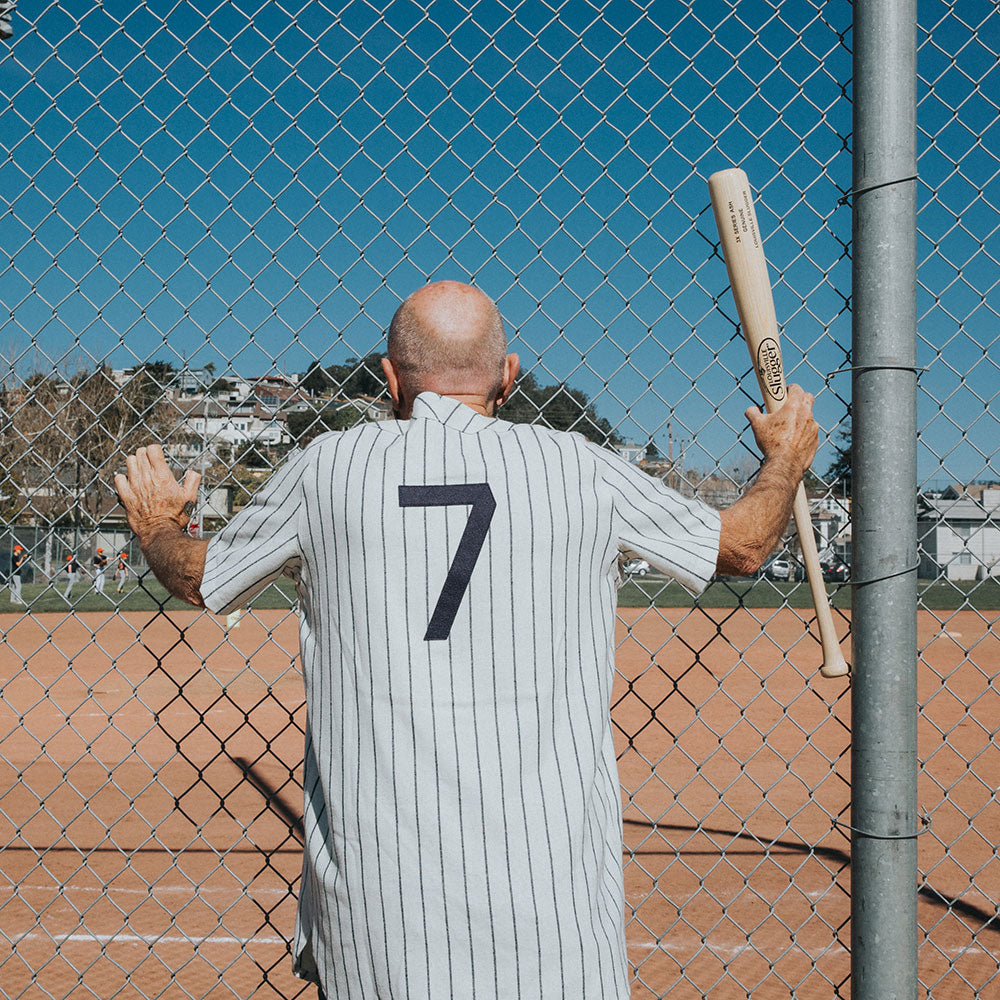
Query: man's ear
point(392, 381)
point(511, 367)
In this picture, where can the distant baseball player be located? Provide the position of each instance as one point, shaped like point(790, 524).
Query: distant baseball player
point(17, 561)
point(100, 567)
point(121, 570)
point(457, 575)
point(72, 570)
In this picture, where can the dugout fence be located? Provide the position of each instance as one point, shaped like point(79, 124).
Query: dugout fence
point(209, 213)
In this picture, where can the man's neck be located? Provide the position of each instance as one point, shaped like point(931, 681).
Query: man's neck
point(480, 403)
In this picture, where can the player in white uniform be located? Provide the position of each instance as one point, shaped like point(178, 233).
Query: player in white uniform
point(457, 577)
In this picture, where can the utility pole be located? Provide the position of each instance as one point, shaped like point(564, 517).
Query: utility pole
point(670, 451)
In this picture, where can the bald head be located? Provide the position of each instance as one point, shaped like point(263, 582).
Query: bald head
point(448, 337)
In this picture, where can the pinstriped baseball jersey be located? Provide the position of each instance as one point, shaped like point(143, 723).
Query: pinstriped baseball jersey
point(457, 577)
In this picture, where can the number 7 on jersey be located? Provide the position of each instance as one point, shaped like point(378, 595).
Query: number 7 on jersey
point(470, 545)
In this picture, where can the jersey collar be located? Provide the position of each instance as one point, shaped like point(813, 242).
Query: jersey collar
point(451, 413)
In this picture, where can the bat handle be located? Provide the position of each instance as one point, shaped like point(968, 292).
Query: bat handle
point(834, 664)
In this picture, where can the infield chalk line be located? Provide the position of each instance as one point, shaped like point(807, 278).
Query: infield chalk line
point(152, 893)
point(147, 939)
point(151, 939)
point(732, 951)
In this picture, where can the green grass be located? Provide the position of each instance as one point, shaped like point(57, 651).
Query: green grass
point(637, 593)
point(148, 595)
point(726, 594)
point(41, 598)
point(983, 595)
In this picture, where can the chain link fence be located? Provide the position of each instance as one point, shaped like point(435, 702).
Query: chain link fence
point(210, 213)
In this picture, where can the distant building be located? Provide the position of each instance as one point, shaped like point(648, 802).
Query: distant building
point(631, 452)
point(958, 533)
point(371, 408)
point(831, 517)
point(209, 423)
point(230, 389)
point(186, 382)
point(192, 381)
point(717, 490)
point(214, 508)
point(274, 392)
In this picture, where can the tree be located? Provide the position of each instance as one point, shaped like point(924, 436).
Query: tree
point(244, 479)
point(63, 438)
point(155, 376)
point(316, 381)
point(358, 376)
point(556, 406)
point(256, 456)
point(355, 377)
point(66, 437)
point(840, 467)
point(559, 407)
point(304, 425)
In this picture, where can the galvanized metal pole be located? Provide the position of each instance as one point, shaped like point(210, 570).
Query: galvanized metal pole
point(884, 752)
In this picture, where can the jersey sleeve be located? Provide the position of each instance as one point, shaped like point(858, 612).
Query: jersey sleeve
point(260, 543)
point(678, 535)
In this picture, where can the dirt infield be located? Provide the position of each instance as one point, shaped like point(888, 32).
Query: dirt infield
point(149, 805)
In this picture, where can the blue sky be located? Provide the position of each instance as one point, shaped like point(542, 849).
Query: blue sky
point(201, 182)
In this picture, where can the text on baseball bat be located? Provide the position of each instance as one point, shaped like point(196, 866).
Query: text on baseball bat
point(770, 372)
point(743, 222)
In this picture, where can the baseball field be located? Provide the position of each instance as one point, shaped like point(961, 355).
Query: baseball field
point(150, 801)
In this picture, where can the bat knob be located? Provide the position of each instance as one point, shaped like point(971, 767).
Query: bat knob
point(834, 665)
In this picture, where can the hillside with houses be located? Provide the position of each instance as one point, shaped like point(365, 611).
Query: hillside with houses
point(63, 437)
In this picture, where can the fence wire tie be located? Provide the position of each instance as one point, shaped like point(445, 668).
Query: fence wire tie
point(925, 821)
point(854, 192)
point(888, 576)
point(918, 370)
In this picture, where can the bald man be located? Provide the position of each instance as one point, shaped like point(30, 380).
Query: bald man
point(457, 579)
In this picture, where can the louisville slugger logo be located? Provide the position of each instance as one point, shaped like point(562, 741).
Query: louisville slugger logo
point(769, 370)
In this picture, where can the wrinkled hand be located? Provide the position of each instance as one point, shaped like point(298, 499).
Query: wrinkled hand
point(789, 433)
point(151, 495)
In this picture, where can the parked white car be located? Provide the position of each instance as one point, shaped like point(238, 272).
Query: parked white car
point(778, 569)
point(636, 567)
point(783, 568)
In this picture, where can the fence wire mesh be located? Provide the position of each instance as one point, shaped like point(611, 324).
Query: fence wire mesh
point(210, 212)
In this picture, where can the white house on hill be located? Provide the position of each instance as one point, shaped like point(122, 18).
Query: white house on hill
point(958, 533)
point(631, 451)
point(211, 424)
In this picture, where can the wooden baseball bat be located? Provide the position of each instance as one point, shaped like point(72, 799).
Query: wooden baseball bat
point(743, 250)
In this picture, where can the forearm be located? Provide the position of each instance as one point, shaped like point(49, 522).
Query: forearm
point(176, 559)
point(755, 523)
